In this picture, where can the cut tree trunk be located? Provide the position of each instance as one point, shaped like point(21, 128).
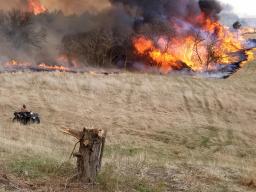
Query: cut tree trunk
point(89, 156)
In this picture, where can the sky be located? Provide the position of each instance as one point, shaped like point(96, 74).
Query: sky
point(244, 8)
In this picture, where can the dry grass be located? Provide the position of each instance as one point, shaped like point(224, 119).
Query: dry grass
point(250, 36)
point(174, 133)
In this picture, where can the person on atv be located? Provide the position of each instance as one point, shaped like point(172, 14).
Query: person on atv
point(25, 114)
point(24, 109)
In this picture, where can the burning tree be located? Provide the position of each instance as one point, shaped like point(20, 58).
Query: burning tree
point(168, 35)
point(201, 47)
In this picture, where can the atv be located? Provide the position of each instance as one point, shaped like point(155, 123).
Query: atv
point(26, 117)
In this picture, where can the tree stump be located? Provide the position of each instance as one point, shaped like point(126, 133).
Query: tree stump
point(89, 155)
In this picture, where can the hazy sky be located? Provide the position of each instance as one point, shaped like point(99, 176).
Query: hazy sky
point(244, 8)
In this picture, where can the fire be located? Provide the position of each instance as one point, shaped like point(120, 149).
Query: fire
point(251, 55)
point(202, 48)
point(64, 59)
point(142, 45)
point(13, 62)
point(53, 68)
point(36, 7)
point(14, 65)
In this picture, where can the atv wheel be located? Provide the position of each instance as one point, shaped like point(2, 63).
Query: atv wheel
point(24, 121)
point(37, 120)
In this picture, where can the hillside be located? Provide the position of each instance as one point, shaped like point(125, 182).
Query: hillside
point(175, 133)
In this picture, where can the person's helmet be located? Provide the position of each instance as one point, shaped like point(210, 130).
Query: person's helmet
point(24, 106)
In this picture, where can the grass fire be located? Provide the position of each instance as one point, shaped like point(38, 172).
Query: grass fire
point(187, 37)
point(127, 96)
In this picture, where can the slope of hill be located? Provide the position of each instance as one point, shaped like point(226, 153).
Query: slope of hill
point(175, 133)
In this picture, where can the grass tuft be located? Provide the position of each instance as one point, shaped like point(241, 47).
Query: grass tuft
point(39, 167)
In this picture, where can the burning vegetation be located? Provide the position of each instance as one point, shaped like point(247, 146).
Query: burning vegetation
point(148, 35)
point(36, 7)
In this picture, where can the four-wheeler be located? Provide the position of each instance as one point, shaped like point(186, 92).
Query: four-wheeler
point(26, 117)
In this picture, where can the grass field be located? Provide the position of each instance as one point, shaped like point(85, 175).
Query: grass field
point(175, 133)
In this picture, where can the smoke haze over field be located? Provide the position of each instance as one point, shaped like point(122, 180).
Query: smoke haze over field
point(243, 8)
point(102, 32)
point(67, 6)
point(149, 6)
point(14, 4)
point(75, 6)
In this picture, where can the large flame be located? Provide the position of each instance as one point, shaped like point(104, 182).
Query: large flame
point(36, 7)
point(201, 46)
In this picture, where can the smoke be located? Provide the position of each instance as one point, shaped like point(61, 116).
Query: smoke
point(66, 6)
point(149, 9)
point(227, 16)
point(162, 9)
point(14, 4)
point(169, 8)
point(36, 39)
point(76, 6)
point(210, 7)
point(70, 27)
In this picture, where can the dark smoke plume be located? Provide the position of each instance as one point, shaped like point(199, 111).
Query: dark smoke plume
point(210, 7)
point(94, 31)
point(162, 9)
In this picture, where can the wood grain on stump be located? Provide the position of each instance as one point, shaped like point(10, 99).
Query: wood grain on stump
point(89, 155)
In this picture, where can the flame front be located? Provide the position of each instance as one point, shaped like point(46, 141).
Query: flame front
point(36, 7)
point(201, 47)
point(14, 65)
point(53, 68)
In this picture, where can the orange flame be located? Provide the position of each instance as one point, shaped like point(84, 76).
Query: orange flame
point(53, 68)
point(212, 44)
point(14, 63)
point(251, 56)
point(36, 7)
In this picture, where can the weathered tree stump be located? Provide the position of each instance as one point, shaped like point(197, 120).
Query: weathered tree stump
point(89, 155)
